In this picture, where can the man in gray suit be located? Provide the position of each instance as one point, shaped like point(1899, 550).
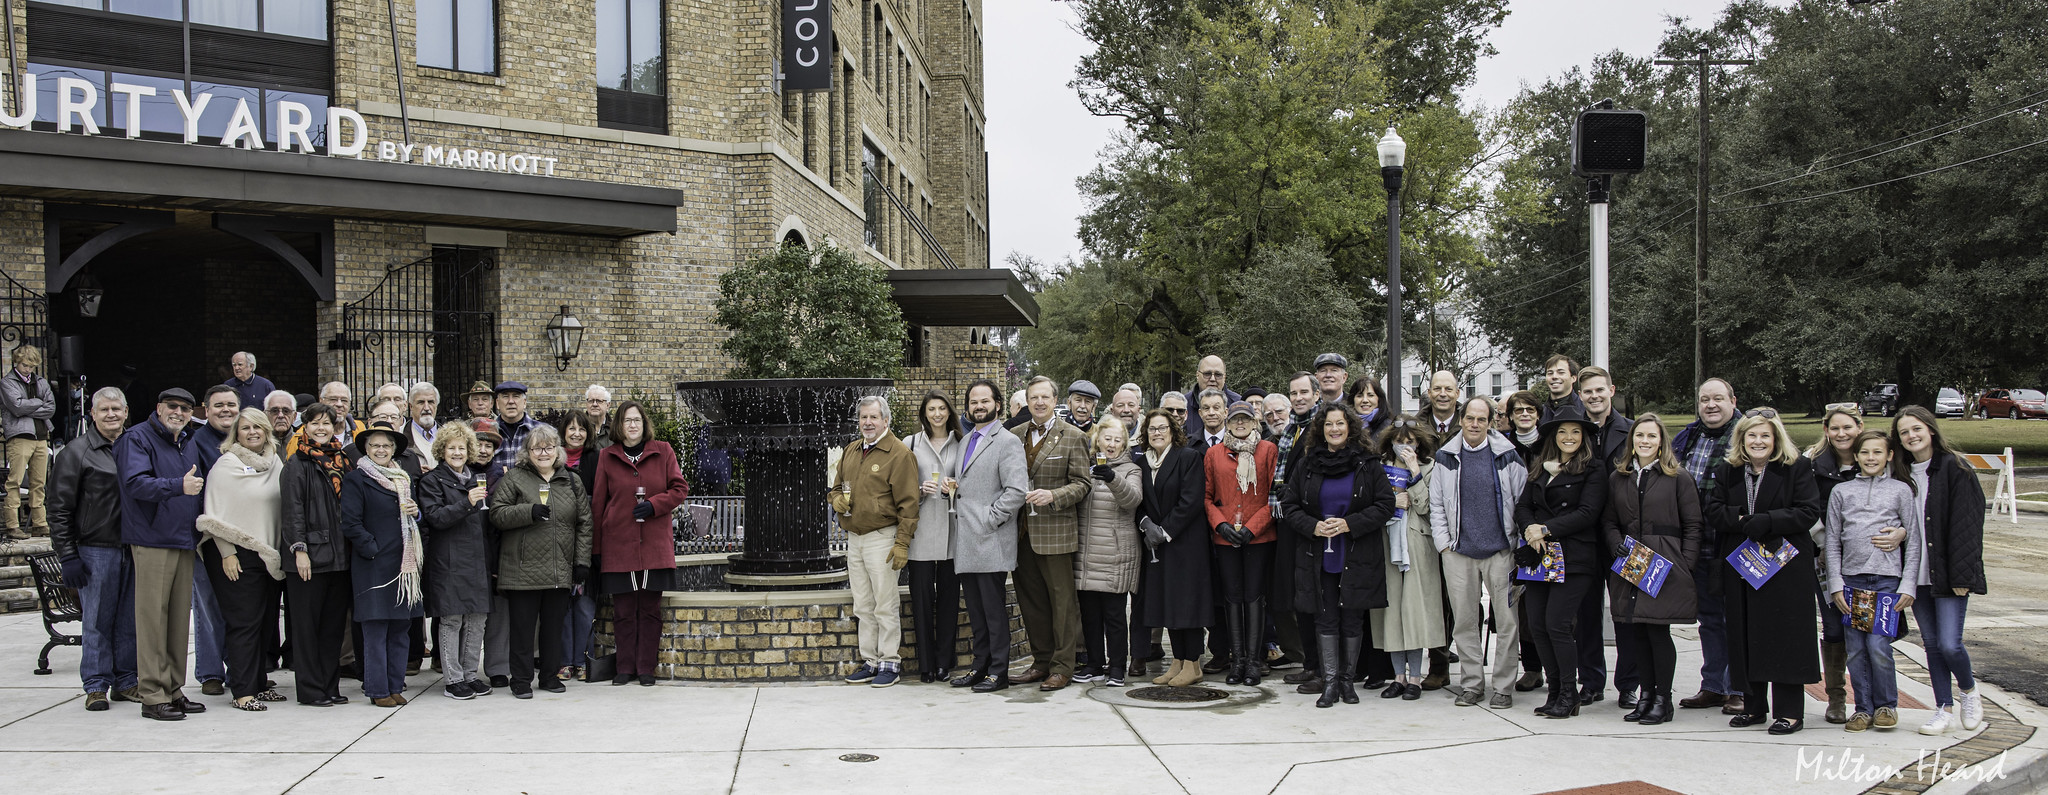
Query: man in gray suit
point(990, 490)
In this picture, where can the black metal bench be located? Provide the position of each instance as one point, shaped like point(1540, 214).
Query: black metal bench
point(60, 605)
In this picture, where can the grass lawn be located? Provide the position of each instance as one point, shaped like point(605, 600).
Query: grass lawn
point(2027, 438)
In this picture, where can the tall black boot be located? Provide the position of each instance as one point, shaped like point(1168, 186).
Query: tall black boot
point(1333, 670)
point(1233, 618)
point(1252, 647)
point(1344, 688)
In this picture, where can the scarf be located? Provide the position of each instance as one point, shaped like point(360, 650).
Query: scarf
point(1154, 458)
point(1321, 460)
point(333, 462)
point(397, 482)
point(252, 459)
point(1247, 462)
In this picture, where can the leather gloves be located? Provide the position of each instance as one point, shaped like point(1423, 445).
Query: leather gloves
point(1155, 536)
point(540, 512)
point(1102, 472)
point(1528, 557)
point(74, 572)
point(1231, 535)
point(899, 556)
point(643, 510)
point(580, 575)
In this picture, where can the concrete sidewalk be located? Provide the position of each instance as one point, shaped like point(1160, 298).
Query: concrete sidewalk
point(931, 738)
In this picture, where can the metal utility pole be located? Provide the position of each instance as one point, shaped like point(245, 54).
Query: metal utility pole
point(1699, 289)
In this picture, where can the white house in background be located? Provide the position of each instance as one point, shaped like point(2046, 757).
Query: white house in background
point(1485, 370)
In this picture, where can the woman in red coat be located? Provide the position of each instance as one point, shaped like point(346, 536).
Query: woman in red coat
point(1238, 477)
point(639, 483)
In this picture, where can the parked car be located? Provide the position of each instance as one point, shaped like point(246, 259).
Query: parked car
point(1949, 403)
point(2012, 403)
point(1881, 399)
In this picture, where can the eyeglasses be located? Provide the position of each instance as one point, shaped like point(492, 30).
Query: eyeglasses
point(1212, 373)
point(542, 449)
point(282, 410)
point(179, 407)
point(1525, 410)
point(1769, 414)
point(1178, 412)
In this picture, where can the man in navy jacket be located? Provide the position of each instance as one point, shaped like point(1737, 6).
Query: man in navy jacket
point(161, 482)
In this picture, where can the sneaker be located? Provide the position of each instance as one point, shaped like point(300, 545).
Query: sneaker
point(126, 694)
point(479, 687)
point(884, 678)
point(1087, 673)
point(1114, 678)
point(458, 691)
point(96, 701)
point(1502, 701)
point(1858, 722)
point(501, 680)
point(212, 687)
point(1886, 718)
point(862, 674)
point(1939, 724)
point(1469, 698)
point(1970, 710)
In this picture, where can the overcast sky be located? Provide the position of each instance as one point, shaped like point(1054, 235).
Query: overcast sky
point(1040, 139)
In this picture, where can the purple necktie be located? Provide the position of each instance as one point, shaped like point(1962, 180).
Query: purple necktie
point(972, 439)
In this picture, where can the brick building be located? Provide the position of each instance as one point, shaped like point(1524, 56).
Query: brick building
point(198, 177)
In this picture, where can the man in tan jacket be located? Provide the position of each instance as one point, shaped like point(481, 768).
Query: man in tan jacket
point(876, 497)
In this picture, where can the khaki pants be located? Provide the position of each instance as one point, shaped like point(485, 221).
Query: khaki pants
point(1463, 578)
point(876, 604)
point(28, 461)
point(163, 620)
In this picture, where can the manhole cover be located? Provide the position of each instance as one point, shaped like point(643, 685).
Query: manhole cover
point(1178, 695)
point(858, 757)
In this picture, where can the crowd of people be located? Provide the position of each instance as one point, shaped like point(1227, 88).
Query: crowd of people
point(1318, 528)
point(1315, 530)
point(298, 536)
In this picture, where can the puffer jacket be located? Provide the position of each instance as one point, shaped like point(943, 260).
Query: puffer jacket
point(536, 556)
point(1108, 559)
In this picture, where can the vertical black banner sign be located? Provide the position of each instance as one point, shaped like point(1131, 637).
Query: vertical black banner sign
point(807, 45)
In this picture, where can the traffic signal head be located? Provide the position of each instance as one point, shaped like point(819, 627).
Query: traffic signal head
point(1607, 141)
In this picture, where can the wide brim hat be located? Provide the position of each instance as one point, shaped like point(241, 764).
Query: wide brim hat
point(486, 428)
point(380, 429)
point(1569, 414)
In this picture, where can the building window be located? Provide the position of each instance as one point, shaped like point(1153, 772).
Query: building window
point(458, 34)
point(871, 194)
point(1415, 386)
point(158, 115)
point(305, 19)
point(1496, 384)
point(630, 70)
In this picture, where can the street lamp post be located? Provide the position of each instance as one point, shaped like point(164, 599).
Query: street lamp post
point(1393, 152)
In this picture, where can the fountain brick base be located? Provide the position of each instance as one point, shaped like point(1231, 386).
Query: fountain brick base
point(785, 636)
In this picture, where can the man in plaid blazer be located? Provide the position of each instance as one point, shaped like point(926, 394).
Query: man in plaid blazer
point(1056, 454)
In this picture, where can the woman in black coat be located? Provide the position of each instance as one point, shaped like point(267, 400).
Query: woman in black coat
point(1174, 587)
point(316, 579)
point(1953, 503)
point(1337, 503)
point(1652, 501)
point(1765, 492)
point(380, 518)
point(458, 574)
point(1563, 502)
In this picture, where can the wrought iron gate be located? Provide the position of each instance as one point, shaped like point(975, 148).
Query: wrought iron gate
point(25, 319)
point(430, 320)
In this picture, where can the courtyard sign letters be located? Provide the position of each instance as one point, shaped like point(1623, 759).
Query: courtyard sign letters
point(806, 48)
point(347, 134)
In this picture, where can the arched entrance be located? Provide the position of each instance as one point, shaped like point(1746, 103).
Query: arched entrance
point(179, 292)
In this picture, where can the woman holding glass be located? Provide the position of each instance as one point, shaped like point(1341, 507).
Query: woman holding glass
point(1339, 502)
point(934, 589)
point(543, 522)
point(639, 486)
point(1174, 592)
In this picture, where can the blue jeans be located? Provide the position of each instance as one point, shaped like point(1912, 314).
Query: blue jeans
point(209, 630)
point(1706, 573)
point(576, 628)
point(383, 655)
point(108, 631)
point(1941, 631)
point(1872, 671)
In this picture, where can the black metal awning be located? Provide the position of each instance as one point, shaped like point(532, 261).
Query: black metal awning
point(81, 168)
point(985, 297)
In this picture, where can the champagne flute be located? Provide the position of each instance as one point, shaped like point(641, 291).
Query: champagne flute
point(1327, 539)
point(543, 493)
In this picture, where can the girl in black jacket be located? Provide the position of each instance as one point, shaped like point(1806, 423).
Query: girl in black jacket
point(316, 578)
point(1563, 502)
point(1338, 503)
point(1952, 564)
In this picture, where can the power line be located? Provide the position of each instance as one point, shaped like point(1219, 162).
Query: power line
point(1883, 153)
point(1916, 133)
point(1886, 182)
